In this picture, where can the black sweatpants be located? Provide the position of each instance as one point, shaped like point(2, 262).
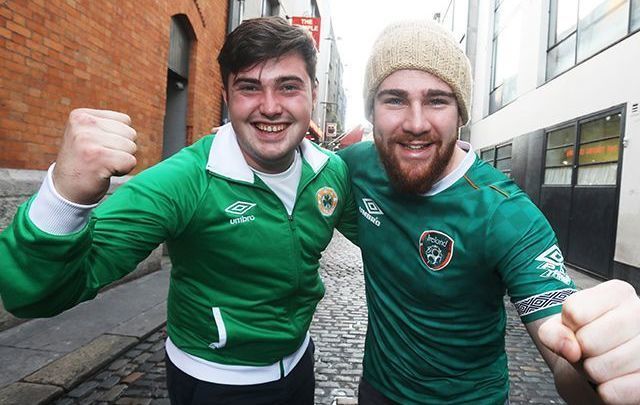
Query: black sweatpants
point(296, 388)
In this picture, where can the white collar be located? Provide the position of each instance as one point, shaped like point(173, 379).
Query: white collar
point(447, 181)
point(226, 158)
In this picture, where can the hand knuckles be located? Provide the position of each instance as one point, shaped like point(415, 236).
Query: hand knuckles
point(597, 369)
point(90, 152)
point(622, 287)
point(131, 163)
point(587, 344)
point(571, 310)
point(80, 116)
point(610, 394)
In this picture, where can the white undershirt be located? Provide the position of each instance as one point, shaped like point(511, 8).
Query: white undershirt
point(285, 184)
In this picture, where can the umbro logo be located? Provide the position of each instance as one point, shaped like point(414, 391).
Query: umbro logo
point(239, 207)
point(552, 261)
point(370, 209)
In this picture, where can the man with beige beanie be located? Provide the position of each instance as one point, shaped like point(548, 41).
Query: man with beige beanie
point(444, 236)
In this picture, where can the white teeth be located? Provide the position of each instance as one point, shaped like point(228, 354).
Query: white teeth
point(270, 128)
point(415, 147)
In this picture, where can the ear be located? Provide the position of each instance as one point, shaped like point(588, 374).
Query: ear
point(314, 95)
point(225, 96)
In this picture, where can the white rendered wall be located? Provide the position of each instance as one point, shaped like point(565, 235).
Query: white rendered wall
point(608, 79)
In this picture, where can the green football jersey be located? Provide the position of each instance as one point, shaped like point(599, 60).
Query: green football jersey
point(244, 278)
point(436, 270)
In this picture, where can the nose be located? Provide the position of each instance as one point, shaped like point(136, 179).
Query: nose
point(270, 104)
point(416, 121)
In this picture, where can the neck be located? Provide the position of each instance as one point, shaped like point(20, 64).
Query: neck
point(456, 158)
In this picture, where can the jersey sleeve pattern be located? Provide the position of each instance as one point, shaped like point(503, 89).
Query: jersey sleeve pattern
point(523, 248)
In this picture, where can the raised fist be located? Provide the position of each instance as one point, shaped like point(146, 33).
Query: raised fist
point(97, 144)
point(599, 333)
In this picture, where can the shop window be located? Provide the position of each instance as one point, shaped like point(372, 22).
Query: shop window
point(599, 150)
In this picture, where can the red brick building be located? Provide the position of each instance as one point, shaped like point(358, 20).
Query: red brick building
point(57, 55)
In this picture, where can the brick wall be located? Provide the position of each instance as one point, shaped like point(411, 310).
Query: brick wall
point(56, 55)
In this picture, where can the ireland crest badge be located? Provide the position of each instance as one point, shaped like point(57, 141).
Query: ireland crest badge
point(436, 249)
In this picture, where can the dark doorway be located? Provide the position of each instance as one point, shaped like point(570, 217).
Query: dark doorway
point(580, 189)
point(177, 102)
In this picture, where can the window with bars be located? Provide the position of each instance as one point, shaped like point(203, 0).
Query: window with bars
point(559, 156)
point(579, 29)
point(499, 157)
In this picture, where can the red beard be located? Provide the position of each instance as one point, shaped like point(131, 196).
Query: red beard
point(419, 178)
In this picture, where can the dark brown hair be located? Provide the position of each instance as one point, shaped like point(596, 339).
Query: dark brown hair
point(257, 40)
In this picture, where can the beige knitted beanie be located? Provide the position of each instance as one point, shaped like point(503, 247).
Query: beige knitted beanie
point(419, 45)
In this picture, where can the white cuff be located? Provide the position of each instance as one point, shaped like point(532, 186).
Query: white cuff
point(54, 214)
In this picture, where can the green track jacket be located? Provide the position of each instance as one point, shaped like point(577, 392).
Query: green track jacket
point(244, 282)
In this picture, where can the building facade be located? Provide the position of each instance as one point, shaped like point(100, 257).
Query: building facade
point(153, 60)
point(556, 107)
point(149, 59)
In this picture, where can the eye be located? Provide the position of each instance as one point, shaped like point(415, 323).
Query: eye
point(290, 87)
point(439, 101)
point(248, 87)
point(393, 101)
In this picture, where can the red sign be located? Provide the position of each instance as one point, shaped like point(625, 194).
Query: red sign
point(310, 23)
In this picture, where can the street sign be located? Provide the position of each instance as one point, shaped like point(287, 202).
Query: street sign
point(310, 23)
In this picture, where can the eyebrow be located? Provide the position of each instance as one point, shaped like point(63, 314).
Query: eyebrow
point(289, 79)
point(278, 80)
point(405, 94)
point(392, 92)
point(240, 80)
point(440, 93)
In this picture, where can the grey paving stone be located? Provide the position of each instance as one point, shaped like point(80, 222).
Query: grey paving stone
point(18, 363)
point(21, 393)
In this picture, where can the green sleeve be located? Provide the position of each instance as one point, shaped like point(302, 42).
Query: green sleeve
point(348, 225)
point(521, 245)
point(43, 274)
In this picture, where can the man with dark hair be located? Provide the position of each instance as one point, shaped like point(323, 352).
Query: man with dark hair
point(444, 235)
point(245, 214)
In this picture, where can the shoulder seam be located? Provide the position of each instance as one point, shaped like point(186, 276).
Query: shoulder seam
point(504, 193)
point(471, 183)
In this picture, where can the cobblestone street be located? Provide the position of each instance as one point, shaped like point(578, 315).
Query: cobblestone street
point(338, 330)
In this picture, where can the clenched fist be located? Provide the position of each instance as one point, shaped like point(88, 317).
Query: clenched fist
point(598, 332)
point(97, 144)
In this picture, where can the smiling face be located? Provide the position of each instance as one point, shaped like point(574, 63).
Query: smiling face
point(415, 125)
point(270, 107)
